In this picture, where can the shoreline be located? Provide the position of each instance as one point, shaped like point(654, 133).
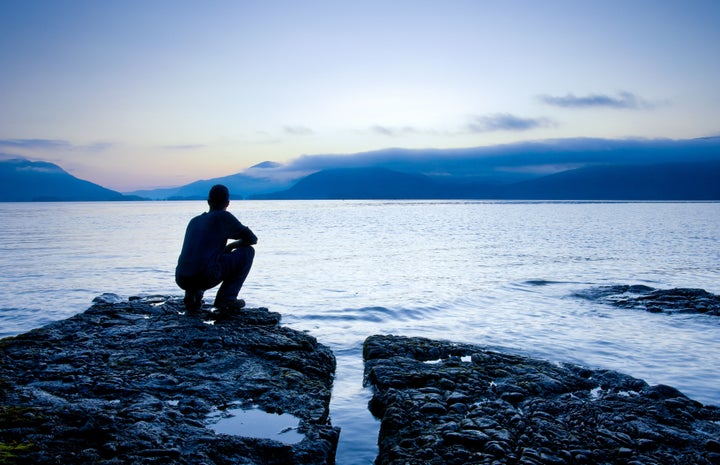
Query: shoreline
point(108, 368)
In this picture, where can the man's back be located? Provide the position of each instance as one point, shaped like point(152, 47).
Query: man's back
point(205, 239)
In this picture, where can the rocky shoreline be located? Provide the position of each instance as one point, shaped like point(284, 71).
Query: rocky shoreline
point(135, 382)
point(141, 381)
point(446, 403)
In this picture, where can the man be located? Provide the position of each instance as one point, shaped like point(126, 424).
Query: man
point(207, 260)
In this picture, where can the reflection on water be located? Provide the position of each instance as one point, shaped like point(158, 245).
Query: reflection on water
point(255, 423)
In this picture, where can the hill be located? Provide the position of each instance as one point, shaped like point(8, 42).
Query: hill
point(29, 181)
point(618, 169)
point(361, 183)
point(562, 169)
point(671, 181)
point(666, 181)
point(241, 185)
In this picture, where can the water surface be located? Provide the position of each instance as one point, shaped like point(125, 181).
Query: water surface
point(498, 274)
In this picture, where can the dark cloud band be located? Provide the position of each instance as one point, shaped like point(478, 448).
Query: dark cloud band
point(506, 122)
point(35, 144)
point(623, 100)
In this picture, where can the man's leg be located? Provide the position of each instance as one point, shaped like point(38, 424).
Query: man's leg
point(193, 299)
point(193, 292)
point(235, 268)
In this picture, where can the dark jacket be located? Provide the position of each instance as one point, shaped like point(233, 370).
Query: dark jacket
point(205, 239)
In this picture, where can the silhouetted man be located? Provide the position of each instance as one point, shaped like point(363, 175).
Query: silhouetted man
point(207, 260)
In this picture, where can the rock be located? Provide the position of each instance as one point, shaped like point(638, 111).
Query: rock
point(134, 382)
point(522, 410)
point(655, 300)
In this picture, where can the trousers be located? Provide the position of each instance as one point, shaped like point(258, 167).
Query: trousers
point(234, 268)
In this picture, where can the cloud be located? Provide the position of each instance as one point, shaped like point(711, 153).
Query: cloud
point(35, 144)
point(41, 168)
point(506, 122)
point(298, 130)
point(623, 101)
point(502, 163)
point(184, 147)
point(478, 124)
point(388, 131)
point(399, 131)
point(95, 147)
point(51, 145)
point(531, 156)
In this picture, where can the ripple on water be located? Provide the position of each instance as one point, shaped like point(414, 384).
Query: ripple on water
point(375, 314)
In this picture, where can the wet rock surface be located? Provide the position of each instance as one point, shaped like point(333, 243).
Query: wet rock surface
point(133, 382)
point(445, 403)
point(680, 300)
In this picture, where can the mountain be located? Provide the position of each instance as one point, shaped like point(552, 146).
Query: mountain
point(252, 181)
point(514, 162)
point(27, 181)
point(560, 169)
point(492, 172)
point(360, 183)
point(665, 181)
point(668, 181)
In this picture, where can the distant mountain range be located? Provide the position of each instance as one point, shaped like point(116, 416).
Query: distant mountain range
point(33, 181)
point(563, 169)
point(673, 181)
point(667, 181)
point(241, 185)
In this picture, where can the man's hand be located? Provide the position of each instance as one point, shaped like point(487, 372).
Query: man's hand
point(232, 246)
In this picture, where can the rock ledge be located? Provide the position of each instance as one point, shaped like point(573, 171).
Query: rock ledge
point(445, 403)
point(133, 382)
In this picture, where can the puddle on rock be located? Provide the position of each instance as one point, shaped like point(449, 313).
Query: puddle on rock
point(255, 423)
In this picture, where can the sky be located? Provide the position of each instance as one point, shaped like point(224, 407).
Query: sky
point(135, 94)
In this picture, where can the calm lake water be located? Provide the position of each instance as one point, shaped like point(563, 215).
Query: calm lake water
point(498, 274)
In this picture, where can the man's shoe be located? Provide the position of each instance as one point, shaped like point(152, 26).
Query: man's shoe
point(193, 300)
point(229, 306)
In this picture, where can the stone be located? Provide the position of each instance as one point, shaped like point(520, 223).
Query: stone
point(679, 300)
point(135, 381)
point(524, 410)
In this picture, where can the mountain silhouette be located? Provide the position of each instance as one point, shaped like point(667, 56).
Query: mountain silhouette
point(671, 181)
point(666, 181)
point(241, 185)
point(564, 169)
point(27, 181)
point(625, 170)
point(360, 183)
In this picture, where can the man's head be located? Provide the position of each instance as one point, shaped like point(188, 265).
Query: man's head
point(219, 197)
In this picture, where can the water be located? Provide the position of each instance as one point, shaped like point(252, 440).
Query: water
point(257, 423)
point(497, 274)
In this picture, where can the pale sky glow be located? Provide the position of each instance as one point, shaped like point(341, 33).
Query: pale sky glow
point(139, 94)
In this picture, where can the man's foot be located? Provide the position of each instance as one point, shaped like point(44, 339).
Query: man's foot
point(193, 300)
point(228, 307)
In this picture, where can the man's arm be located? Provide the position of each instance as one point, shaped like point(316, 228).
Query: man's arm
point(247, 238)
point(237, 230)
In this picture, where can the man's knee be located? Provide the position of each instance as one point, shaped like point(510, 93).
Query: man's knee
point(247, 252)
point(237, 262)
point(248, 255)
point(182, 282)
